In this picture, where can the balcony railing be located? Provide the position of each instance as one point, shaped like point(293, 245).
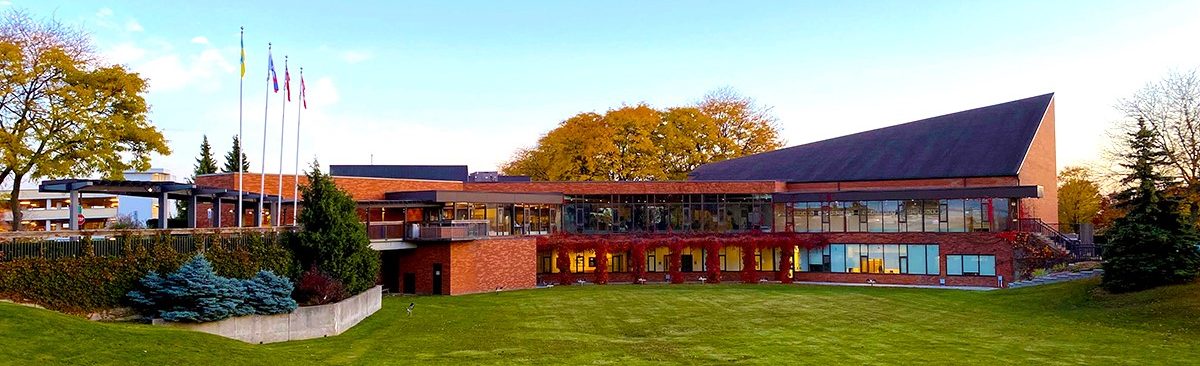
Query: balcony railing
point(450, 230)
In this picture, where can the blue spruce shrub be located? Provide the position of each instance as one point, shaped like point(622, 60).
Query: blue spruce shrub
point(194, 293)
point(269, 294)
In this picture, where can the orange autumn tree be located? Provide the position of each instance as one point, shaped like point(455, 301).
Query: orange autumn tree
point(640, 143)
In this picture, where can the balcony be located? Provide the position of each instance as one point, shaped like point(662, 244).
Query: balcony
point(450, 230)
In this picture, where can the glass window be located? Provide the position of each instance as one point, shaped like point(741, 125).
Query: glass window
point(852, 258)
point(987, 265)
point(802, 258)
point(875, 216)
point(916, 259)
point(931, 260)
point(954, 265)
point(913, 220)
point(856, 218)
point(837, 217)
point(814, 217)
point(891, 259)
point(891, 222)
point(875, 258)
point(970, 265)
point(955, 216)
point(975, 215)
point(837, 256)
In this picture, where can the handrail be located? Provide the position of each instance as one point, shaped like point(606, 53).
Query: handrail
point(126, 232)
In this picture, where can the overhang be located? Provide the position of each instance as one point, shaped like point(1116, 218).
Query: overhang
point(911, 194)
point(476, 196)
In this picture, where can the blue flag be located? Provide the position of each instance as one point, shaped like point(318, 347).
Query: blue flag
point(271, 70)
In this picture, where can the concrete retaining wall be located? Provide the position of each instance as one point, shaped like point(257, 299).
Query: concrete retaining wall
point(306, 322)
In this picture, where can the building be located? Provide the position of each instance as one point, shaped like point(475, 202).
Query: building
point(46, 211)
point(916, 203)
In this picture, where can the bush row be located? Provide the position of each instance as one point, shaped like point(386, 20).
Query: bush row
point(93, 283)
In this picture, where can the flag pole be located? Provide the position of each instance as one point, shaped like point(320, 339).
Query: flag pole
point(277, 216)
point(262, 178)
point(296, 174)
point(238, 153)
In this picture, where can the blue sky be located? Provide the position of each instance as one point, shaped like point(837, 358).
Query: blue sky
point(470, 82)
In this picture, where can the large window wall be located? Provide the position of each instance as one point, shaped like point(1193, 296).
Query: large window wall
point(505, 219)
point(919, 259)
point(950, 215)
point(599, 214)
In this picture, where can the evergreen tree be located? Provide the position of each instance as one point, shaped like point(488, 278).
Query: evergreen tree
point(332, 238)
point(231, 158)
point(1154, 244)
point(205, 164)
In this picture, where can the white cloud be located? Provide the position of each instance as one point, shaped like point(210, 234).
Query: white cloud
point(321, 94)
point(104, 13)
point(5, 2)
point(354, 57)
point(125, 53)
point(200, 40)
point(133, 26)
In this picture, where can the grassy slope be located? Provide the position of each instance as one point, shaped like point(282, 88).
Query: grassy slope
point(1057, 324)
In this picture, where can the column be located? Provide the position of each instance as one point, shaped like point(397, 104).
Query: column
point(193, 205)
point(73, 207)
point(162, 210)
point(276, 212)
point(217, 208)
point(257, 213)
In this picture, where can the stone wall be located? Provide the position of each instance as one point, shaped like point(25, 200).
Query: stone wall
point(305, 323)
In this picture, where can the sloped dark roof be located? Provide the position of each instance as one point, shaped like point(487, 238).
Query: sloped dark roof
point(427, 172)
point(981, 142)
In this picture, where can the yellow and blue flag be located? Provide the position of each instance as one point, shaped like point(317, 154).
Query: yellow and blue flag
point(243, 54)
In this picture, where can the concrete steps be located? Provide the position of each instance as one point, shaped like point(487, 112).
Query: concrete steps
point(1057, 277)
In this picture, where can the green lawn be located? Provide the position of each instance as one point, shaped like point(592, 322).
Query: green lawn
point(765, 324)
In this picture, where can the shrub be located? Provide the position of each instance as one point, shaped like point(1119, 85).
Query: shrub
point(194, 293)
point(318, 288)
point(91, 283)
point(333, 238)
point(269, 294)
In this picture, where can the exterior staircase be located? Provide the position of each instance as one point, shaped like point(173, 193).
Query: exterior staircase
point(1057, 277)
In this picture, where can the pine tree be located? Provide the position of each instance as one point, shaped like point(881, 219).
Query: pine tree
point(1154, 244)
point(332, 237)
point(206, 163)
point(231, 158)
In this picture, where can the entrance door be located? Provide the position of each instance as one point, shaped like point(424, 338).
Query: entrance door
point(685, 263)
point(437, 278)
point(410, 283)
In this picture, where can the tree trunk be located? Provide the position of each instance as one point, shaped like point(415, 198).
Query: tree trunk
point(14, 202)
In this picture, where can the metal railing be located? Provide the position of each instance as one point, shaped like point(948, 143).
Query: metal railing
point(450, 230)
point(1078, 250)
point(78, 243)
point(386, 230)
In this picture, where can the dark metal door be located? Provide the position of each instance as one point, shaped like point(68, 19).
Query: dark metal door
point(410, 283)
point(437, 278)
point(685, 263)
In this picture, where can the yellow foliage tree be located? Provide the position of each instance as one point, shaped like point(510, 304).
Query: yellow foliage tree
point(639, 143)
point(1079, 198)
point(62, 112)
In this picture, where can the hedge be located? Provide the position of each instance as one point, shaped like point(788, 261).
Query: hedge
point(91, 283)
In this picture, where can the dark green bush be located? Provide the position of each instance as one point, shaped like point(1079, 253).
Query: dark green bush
point(93, 283)
point(333, 239)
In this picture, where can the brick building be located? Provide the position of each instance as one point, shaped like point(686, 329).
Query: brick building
point(915, 203)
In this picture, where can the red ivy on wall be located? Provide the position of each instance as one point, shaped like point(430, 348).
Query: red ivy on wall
point(785, 262)
point(601, 264)
point(676, 246)
point(638, 252)
point(748, 263)
point(712, 260)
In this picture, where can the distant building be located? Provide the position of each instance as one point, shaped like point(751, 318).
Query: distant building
point(49, 211)
point(141, 209)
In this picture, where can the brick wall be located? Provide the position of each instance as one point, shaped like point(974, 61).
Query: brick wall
point(1041, 168)
point(359, 187)
point(467, 267)
point(484, 265)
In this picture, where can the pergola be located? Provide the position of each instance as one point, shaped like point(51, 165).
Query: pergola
point(163, 191)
